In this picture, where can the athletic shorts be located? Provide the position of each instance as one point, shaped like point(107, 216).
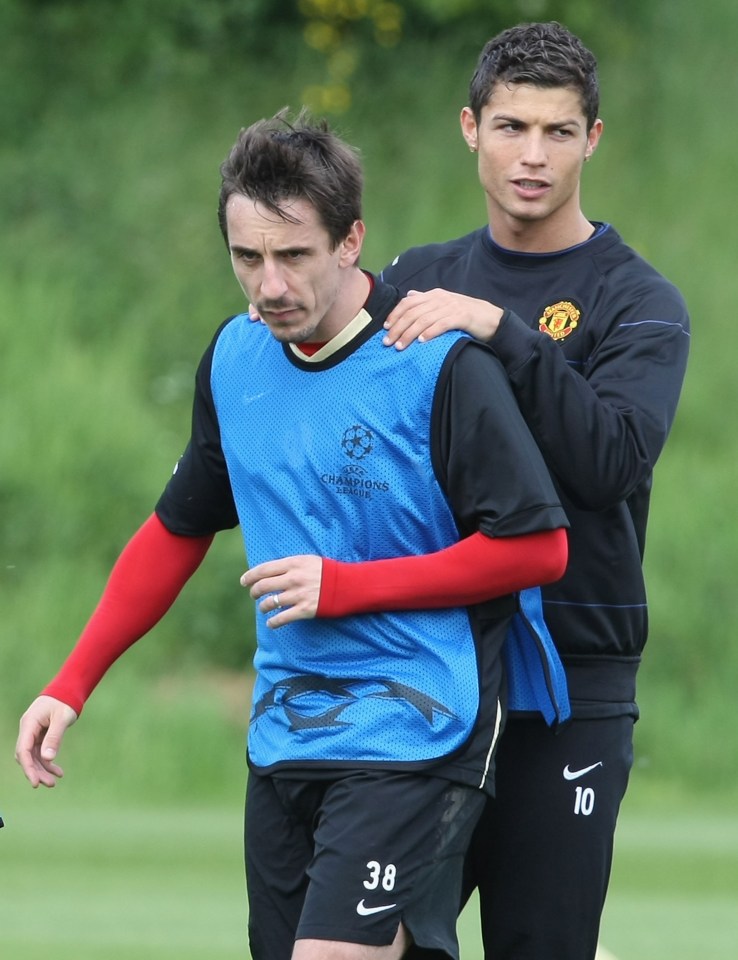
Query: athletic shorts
point(349, 859)
point(541, 853)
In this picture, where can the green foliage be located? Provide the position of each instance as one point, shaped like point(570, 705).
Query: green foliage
point(113, 278)
point(344, 31)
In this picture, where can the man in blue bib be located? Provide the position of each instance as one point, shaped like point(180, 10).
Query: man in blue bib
point(392, 506)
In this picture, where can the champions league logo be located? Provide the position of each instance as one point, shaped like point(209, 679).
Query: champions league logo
point(357, 442)
point(353, 479)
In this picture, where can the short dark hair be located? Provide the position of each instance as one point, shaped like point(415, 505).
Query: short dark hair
point(541, 54)
point(279, 159)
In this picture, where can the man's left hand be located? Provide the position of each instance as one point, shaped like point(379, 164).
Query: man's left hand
point(290, 588)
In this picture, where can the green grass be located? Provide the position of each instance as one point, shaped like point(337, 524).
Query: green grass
point(674, 888)
point(87, 880)
point(120, 883)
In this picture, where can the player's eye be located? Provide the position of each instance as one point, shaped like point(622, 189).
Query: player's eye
point(245, 256)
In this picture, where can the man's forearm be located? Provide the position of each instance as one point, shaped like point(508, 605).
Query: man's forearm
point(477, 568)
point(144, 583)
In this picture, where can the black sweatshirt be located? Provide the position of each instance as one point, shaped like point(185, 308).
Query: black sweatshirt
point(595, 343)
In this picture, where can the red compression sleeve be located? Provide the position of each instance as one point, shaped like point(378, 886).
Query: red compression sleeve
point(475, 569)
point(144, 583)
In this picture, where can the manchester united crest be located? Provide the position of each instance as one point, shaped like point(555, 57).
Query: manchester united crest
point(559, 320)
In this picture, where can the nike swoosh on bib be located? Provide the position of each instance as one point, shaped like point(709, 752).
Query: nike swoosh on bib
point(364, 911)
point(576, 774)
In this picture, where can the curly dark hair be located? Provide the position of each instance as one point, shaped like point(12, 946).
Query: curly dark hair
point(279, 159)
point(541, 54)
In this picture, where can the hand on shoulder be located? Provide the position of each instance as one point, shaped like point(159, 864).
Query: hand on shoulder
point(424, 315)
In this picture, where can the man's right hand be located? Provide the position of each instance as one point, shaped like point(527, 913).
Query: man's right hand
point(42, 727)
point(425, 315)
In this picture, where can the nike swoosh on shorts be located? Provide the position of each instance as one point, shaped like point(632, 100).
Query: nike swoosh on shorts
point(576, 774)
point(364, 911)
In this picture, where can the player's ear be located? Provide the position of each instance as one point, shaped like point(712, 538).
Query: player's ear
point(351, 246)
point(593, 138)
point(469, 129)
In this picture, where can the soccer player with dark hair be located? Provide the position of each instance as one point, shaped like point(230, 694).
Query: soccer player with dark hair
point(392, 506)
point(594, 342)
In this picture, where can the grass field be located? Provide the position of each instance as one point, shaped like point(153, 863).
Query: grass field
point(159, 883)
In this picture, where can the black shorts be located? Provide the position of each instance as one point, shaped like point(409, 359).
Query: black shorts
point(542, 850)
point(558, 798)
point(349, 859)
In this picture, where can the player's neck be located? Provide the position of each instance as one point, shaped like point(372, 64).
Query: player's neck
point(540, 236)
point(362, 288)
point(355, 289)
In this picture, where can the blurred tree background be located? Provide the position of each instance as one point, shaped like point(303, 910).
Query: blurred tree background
point(113, 276)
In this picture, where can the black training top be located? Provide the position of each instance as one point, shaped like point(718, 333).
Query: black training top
point(595, 342)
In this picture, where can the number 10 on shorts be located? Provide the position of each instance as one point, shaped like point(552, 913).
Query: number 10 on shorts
point(584, 800)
